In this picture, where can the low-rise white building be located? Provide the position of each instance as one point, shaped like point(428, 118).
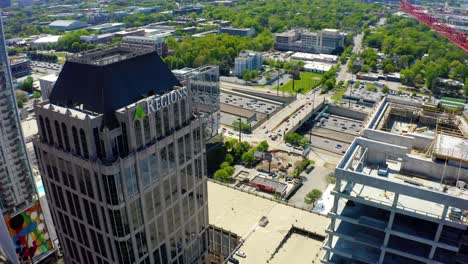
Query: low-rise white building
point(247, 60)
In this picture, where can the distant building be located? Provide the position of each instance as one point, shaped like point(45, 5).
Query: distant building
point(130, 32)
point(146, 10)
point(46, 83)
point(204, 86)
point(225, 3)
point(314, 57)
point(45, 40)
point(243, 32)
point(248, 60)
point(107, 28)
point(20, 67)
point(153, 41)
point(188, 10)
point(63, 25)
point(97, 39)
point(286, 40)
point(324, 41)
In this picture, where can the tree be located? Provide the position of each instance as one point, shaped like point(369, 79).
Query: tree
point(222, 176)
point(36, 95)
point(229, 159)
point(20, 104)
point(224, 165)
point(27, 85)
point(230, 144)
point(465, 87)
point(248, 157)
point(241, 125)
point(295, 139)
point(312, 197)
point(262, 146)
point(385, 89)
point(21, 96)
point(300, 166)
point(239, 149)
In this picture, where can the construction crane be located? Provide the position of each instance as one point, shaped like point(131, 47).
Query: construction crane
point(456, 37)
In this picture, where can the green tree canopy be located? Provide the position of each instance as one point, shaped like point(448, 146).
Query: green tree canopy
point(313, 196)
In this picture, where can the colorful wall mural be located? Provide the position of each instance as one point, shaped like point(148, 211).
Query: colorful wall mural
point(29, 233)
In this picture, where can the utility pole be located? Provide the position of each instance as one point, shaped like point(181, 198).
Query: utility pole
point(240, 129)
point(277, 82)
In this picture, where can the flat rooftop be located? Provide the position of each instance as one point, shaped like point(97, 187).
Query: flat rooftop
point(278, 186)
point(451, 147)
point(240, 213)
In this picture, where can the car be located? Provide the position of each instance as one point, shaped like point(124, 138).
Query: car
point(240, 254)
point(288, 144)
point(233, 260)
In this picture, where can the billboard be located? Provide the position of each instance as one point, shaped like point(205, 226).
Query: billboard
point(29, 233)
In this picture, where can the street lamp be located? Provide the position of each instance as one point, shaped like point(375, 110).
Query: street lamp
point(240, 129)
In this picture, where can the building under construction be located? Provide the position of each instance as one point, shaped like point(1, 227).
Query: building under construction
point(401, 194)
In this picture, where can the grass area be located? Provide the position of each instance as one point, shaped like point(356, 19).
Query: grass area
point(337, 96)
point(60, 55)
point(307, 82)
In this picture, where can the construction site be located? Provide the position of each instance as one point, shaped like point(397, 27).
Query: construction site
point(401, 188)
point(440, 131)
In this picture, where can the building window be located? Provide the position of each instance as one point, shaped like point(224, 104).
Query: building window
point(167, 128)
point(84, 143)
point(131, 183)
point(136, 214)
point(65, 137)
point(145, 173)
point(157, 121)
point(176, 115)
point(76, 141)
point(146, 130)
point(139, 138)
point(49, 131)
point(154, 167)
point(59, 134)
point(43, 130)
point(119, 222)
point(113, 189)
point(97, 142)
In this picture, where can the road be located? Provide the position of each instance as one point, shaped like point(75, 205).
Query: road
point(343, 74)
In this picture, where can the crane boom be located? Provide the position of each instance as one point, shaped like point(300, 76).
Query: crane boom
point(457, 37)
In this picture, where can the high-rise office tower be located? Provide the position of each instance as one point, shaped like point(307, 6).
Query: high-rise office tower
point(18, 198)
point(123, 160)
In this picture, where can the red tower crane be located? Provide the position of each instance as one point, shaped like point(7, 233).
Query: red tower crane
point(457, 37)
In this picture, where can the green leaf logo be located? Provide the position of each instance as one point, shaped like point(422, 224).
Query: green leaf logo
point(139, 113)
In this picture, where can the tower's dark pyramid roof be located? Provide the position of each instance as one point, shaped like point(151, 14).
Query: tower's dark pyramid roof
point(105, 88)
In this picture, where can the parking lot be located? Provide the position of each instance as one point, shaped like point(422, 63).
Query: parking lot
point(248, 103)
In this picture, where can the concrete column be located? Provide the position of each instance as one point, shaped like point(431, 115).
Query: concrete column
point(395, 200)
point(437, 237)
point(387, 233)
point(444, 212)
